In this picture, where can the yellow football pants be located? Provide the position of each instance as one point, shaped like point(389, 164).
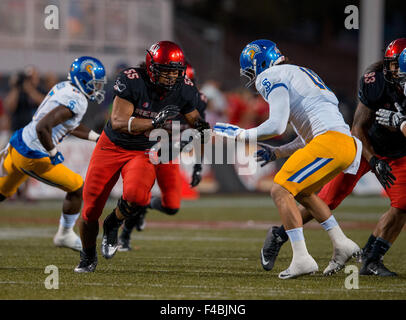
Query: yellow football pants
point(19, 168)
point(310, 168)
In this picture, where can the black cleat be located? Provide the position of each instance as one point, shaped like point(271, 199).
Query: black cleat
point(87, 263)
point(124, 241)
point(272, 245)
point(139, 219)
point(376, 268)
point(109, 243)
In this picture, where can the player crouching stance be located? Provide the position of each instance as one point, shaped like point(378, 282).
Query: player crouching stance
point(324, 147)
point(146, 97)
point(32, 150)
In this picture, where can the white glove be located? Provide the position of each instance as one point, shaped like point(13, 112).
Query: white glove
point(229, 130)
point(390, 118)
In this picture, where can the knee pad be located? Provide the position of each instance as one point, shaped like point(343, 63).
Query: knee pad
point(127, 210)
point(170, 211)
point(2, 198)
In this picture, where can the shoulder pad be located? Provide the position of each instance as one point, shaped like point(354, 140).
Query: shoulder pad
point(127, 82)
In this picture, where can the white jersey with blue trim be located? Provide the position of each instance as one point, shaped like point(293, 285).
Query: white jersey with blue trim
point(65, 94)
point(313, 106)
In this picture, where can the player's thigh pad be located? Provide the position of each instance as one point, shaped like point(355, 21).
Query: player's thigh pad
point(309, 168)
point(170, 183)
point(14, 178)
point(138, 178)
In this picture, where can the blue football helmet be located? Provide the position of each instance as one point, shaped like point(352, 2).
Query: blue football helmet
point(258, 56)
point(402, 70)
point(89, 76)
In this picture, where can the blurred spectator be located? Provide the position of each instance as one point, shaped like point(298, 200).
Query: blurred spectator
point(50, 79)
point(4, 126)
point(217, 102)
point(24, 97)
point(241, 108)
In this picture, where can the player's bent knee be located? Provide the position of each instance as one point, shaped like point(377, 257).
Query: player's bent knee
point(136, 196)
point(128, 209)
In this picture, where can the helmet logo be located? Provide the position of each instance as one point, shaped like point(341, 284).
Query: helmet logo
point(154, 48)
point(87, 66)
point(251, 50)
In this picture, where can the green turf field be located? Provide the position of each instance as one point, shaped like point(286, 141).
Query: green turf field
point(210, 250)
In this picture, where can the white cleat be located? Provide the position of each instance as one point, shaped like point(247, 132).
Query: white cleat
point(300, 267)
point(345, 251)
point(67, 238)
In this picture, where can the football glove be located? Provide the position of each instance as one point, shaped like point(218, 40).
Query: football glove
point(56, 159)
point(382, 171)
point(265, 155)
point(390, 118)
point(227, 130)
point(167, 113)
point(197, 175)
point(201, 125)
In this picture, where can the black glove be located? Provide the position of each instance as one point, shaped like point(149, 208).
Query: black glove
point(169, 112)
point(201, 125)
point(266, 154)
point(197, 175)
point(382, 171)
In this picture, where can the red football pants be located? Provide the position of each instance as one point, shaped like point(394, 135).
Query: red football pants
point(334, 192)
point(170, 183)
point(107, 162)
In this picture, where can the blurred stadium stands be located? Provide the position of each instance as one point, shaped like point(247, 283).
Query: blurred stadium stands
point(212, 34)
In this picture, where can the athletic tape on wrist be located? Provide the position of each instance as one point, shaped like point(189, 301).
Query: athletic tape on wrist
point(402, 126)
point(93, 136)
point(53, 152)
point(129, 124)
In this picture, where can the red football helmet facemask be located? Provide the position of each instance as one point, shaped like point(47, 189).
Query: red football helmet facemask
point(165, 64)
point(392, 53)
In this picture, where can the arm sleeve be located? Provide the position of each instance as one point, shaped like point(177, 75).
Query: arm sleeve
point(288, 149)
point(279, 110)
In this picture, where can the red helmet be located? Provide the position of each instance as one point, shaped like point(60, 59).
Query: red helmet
point(163, 58)
point(392, 53)
point(190, 71)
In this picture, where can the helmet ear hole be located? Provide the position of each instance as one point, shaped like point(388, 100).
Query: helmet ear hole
point(263, 64)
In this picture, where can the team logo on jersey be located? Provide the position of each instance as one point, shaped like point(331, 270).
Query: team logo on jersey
point(120, 87)
point(87, 66)
point(251, 50)
point(145, 105)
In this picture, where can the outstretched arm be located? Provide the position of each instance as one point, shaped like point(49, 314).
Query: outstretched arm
point(85, 133)
point(275, 125)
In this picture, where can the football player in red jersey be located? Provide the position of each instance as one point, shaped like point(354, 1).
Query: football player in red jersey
point(384, 153)
point(145, 98)
point(168, 178)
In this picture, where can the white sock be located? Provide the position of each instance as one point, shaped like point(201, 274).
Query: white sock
point(333, 230)
point(297, 241)
point(68, 220)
